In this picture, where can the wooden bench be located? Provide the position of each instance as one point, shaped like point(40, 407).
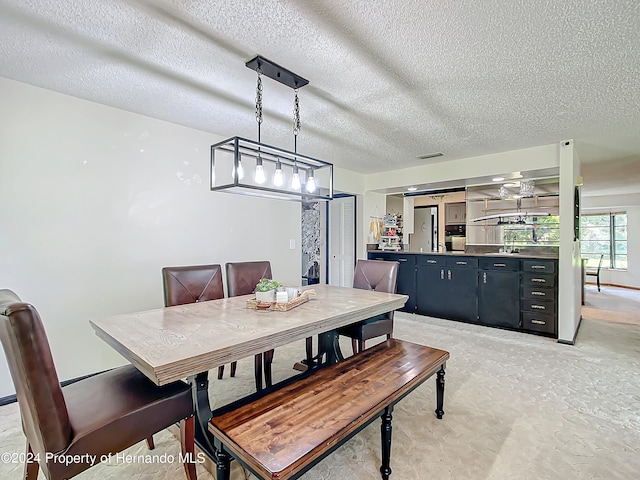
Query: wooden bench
point(284, 432)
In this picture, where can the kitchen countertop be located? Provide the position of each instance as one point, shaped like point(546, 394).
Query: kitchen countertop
point(465, 254)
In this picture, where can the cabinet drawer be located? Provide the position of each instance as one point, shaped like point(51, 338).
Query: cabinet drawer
point(540, 306)
point(493, 263)
point(540, 280)
point(538, 322)
point(432, 260)
point(394, 257)
point(537, 292)
point(462, 262)
point(539, 266)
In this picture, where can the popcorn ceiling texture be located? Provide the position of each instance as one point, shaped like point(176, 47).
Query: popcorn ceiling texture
point(517, 406)
point(389, 80)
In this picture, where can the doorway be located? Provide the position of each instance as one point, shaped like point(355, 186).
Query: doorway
point(341, 222)
point(425, 231)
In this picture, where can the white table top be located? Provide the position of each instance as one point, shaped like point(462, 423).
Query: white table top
point(171, 343)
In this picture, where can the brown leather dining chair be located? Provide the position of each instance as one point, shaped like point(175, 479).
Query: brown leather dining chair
point(242, 278)
point(99, 415)
point(191, 284)
point(381, 276)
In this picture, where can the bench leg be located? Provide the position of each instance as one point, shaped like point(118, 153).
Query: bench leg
point(385, 431)
point(223, 464)
point(440, 392)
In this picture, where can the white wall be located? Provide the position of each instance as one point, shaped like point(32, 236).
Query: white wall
point(535, 158)
point(569, 266)
point(95, 201)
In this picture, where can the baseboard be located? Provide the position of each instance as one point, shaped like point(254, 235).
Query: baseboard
point(619, 286)
point(613, 285)
point(572, 341)
point(12, 398)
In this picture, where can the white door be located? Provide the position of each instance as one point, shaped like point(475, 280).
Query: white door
point(342, 222)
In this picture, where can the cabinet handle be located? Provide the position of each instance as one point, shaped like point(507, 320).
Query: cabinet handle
point(442, 274)
point(431, 261)
point(538, 267)
point(539, 280)
point(379, 258)
point(499, 264)
point(449, 274)
point(538, 322)
point(484, 277)
point(403, 260)
point(539, 294)
point(538, 307)
point(461, 263)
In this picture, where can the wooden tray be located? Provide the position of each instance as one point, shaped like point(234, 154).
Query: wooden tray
point(282, 307)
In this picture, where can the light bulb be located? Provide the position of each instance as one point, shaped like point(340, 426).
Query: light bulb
point(311, 182)
point(278, 177)
point(295, 178)
point(240, 171)
point(259, 175)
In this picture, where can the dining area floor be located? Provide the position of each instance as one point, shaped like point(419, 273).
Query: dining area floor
point(516, 406)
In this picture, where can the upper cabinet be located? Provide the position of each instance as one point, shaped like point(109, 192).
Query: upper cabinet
point(455, 213)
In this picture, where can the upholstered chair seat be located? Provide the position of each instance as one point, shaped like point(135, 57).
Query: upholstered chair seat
point(380, 276)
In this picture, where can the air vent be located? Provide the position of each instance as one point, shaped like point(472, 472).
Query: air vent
point(429, 155)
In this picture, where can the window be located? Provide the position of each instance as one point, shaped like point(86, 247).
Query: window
point(604, 234)
point(540, 231)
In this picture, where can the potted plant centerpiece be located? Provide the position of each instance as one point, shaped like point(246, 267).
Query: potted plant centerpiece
point(266, 290)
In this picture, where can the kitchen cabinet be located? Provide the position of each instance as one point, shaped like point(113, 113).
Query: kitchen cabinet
point(446, 286)
point(499, 292)
point(539, 296)
point(406, 275)
point(508, 292)
point(431, 286)
point(455, 213)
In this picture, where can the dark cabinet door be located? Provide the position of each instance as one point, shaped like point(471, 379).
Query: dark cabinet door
point(499, 298)
point(462, 296)
point(407, 284)
point(406, 275)
point(431, 291)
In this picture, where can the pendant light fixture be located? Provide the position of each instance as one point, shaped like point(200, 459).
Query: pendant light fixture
point(278, 172)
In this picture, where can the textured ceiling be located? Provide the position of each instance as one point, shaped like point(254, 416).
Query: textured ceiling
point(389, 80)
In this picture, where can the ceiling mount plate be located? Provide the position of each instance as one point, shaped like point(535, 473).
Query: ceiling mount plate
point(276, 72)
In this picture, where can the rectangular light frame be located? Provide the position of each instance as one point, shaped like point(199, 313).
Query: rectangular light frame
point(228, 154)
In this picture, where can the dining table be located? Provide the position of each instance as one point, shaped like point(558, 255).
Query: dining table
point(186, 341)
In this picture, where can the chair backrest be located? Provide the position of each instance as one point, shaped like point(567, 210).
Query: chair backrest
point(242, 277)
point(378, 275)
point(190, 284)
point(45, 419)
point(600, 262)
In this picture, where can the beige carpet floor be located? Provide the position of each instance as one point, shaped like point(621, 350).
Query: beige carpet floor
point(517, 406)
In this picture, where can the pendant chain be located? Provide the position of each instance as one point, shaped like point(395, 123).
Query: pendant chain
point(296, 113)
point(259, 101)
